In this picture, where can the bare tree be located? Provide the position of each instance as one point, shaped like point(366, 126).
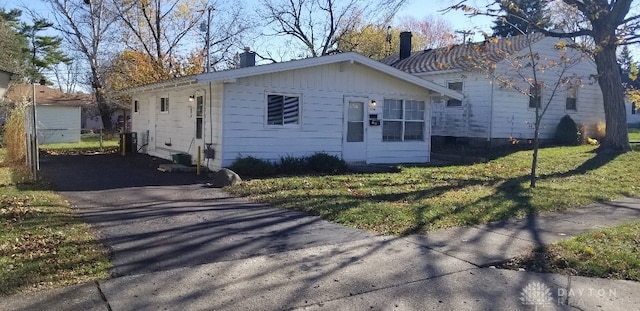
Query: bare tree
point(610, 24)
point(86, 25)
point(157, 27)
point(430, 31)
point(523, 74)
point(68, 74)
point(163, 29)
point(228, 29)
point(319, 24)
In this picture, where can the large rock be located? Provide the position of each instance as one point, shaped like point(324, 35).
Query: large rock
point(225, 177)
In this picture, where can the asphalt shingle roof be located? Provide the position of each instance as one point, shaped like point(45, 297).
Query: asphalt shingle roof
point(45, 95)
point(461, 56)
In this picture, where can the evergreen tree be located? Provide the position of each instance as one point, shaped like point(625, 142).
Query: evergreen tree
point(12, 43)
point(625, 60)
point(43, 52)
point(517, 18)
point(24, 50)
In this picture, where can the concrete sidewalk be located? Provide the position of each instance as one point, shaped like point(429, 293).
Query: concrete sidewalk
point(442, 270)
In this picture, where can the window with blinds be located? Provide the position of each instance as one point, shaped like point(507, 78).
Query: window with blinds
point(283, 110)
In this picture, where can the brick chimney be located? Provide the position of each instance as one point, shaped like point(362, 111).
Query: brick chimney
point(405, 44)
point(247, 58)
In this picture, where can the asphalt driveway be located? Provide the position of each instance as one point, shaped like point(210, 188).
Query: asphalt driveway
point(155, 221)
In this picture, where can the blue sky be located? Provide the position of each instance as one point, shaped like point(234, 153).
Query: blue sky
point(416, 8)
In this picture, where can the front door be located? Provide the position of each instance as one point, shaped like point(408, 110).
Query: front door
point(353, 140)
point(198, 118)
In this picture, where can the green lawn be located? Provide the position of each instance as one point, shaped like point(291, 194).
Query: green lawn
point(609, 253)
point(419, 199)
point(42, 242)
point(88, 143)
point(634, 134)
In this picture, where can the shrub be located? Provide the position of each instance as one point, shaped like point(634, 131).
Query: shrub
point(600, 131)
point(14, 135)
point(584, 134)
point(252, 166)
point(324, 163)
point(291, 165)
point(567, 132)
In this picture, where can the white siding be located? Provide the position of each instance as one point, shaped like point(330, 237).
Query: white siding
point(633, 119)
point(322, 90)
point(510, 115)
point(514, 118)
point(472, 118)
point(164, 134)
point(58, 124)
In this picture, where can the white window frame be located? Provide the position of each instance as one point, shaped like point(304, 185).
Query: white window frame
point(166, 107)
point(266, 110)
point(575, 98)
point(136, 106)
point(403, 121)
point(452, 100)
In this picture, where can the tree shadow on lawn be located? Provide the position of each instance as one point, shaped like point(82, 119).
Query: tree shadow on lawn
point(510, 190)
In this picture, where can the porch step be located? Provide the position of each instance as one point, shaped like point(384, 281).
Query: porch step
point(176, 168)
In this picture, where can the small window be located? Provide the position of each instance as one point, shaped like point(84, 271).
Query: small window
point(164, 104)
point(456, 86)
point(572, 97)
point(283, 110)
point(535, 96)
point(136, 106)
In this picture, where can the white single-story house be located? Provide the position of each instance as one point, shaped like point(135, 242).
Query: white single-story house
point(493, 112)
point(345, 104)
point(57, 114)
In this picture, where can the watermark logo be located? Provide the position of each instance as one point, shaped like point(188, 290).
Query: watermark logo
point(536, 294)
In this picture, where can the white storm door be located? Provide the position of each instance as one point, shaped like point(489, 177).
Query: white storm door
point(354, 132)
point(153, 115)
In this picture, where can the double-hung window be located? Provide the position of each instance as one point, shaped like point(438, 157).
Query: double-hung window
point(456, 86)
point(283, 110)
point(403, 120)
point(572, 97)
point(164, 104)
point(535, 96)
point(199, 116)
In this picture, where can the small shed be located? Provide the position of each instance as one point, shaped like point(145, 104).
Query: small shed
point(58, 114)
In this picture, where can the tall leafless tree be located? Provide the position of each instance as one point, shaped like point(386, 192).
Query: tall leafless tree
point(162, 28)
point(87, 26)
point(319, 24)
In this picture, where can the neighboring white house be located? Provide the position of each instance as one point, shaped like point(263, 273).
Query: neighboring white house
point(492, 113)
point(345, 104)
point(58, 123)
point(57, 114)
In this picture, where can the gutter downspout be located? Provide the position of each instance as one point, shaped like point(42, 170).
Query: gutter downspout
point(210, 121)
point(490, 132)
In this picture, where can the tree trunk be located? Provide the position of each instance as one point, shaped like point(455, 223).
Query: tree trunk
point(103, 107)
point(616, 139)
point(536, 145)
